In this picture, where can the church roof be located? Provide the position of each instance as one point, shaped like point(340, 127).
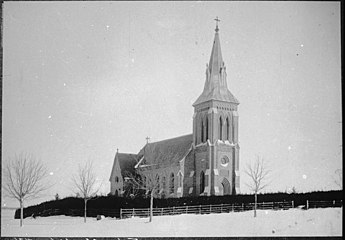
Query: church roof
point(215, 87)
point(166, 152)
point(127, 162)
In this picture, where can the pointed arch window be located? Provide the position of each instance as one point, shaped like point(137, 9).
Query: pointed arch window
point(171, 183)
point(233, 132)
point(180, 179)
point(163, 186)
point(206, 128)
point(202, 182)
point(196, 134)
point(158, 183)
point(220, 128)
point(202, 131)
point(227, 129)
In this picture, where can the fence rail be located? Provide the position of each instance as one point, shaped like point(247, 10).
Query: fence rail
point(203, 209)
point(224, 208)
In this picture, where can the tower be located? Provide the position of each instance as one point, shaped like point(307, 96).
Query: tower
point(215, 131)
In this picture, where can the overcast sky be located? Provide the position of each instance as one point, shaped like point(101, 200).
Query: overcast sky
point(81, 79)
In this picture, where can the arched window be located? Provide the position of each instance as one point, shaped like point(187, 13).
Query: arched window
point(226, 186)
point(202, 131)
point(233, 132)
point(179, 179)
point(117, 179)
point(163, 187)
point(171, 184)
point(206, 128)
point(220, 128)
point(227, 129)
point(202, 182)
point(158, 183)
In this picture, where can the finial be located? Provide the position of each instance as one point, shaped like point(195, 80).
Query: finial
point(147, 139)
point(117, 150)
point(217, 20)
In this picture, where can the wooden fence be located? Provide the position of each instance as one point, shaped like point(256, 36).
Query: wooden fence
point(224, 208)
point(203, 209)
point(324, 204)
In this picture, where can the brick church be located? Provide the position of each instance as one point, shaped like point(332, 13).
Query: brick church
point(205, 162)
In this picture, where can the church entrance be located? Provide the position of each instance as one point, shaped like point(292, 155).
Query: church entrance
point(226, 187)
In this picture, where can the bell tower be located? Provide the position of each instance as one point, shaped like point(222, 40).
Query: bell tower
point(215, 130)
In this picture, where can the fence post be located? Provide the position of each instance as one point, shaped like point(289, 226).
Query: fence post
point(120, 213)
point(232, 207)
point(242, 207)
point(333, 203)
point(162, 212)
point(133, 212)
point(307, 204)
point(210, 208)
point(173, 210)
point(187, 210)
point(199, 209)
point(221, 208)
point(293, 204)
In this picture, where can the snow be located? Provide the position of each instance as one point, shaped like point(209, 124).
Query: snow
point(293, 222)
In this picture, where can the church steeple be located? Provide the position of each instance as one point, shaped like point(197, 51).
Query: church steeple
point(216, 59)
point(216, 84)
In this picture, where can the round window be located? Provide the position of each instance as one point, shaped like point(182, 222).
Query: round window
point(224, 161)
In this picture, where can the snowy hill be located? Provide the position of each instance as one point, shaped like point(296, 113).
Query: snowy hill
point(293, 222)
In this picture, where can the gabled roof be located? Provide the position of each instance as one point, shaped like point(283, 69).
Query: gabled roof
point(215, 87)
point(126, 162)
point(167, 152)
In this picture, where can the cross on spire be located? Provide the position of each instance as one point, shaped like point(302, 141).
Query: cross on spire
point(217, 20)
point(147, 139)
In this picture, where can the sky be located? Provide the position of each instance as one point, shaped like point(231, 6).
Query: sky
point(83, 79)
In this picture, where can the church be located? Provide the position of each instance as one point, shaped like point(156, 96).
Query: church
point(204, 163)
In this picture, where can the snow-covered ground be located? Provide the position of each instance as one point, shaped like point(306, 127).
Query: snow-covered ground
point(293, 222)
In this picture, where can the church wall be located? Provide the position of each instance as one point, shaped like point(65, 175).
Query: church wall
point(202, 163)
point(116, 180)
point(224, 169)
point(189, 175)
point(166, 172)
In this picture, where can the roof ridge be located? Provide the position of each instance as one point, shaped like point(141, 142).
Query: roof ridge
point(127, 153)
point(165, 140)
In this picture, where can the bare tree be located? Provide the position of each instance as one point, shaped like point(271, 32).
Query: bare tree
point(85, 182)
point(145, 181)
point(258, 173)
point(23, 179)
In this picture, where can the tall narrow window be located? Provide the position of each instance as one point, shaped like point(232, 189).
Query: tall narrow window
point(163, 187)
point(202, 131)
point(171, 185)
point(227, 129)
point(233, 132)
point(202, 182)
point(196, 135)
point(158, 183)
point(220, 128)
point(180, 179)
point(206, 128)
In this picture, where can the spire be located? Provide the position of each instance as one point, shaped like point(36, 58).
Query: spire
point(216, 59)
point(216, 84)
